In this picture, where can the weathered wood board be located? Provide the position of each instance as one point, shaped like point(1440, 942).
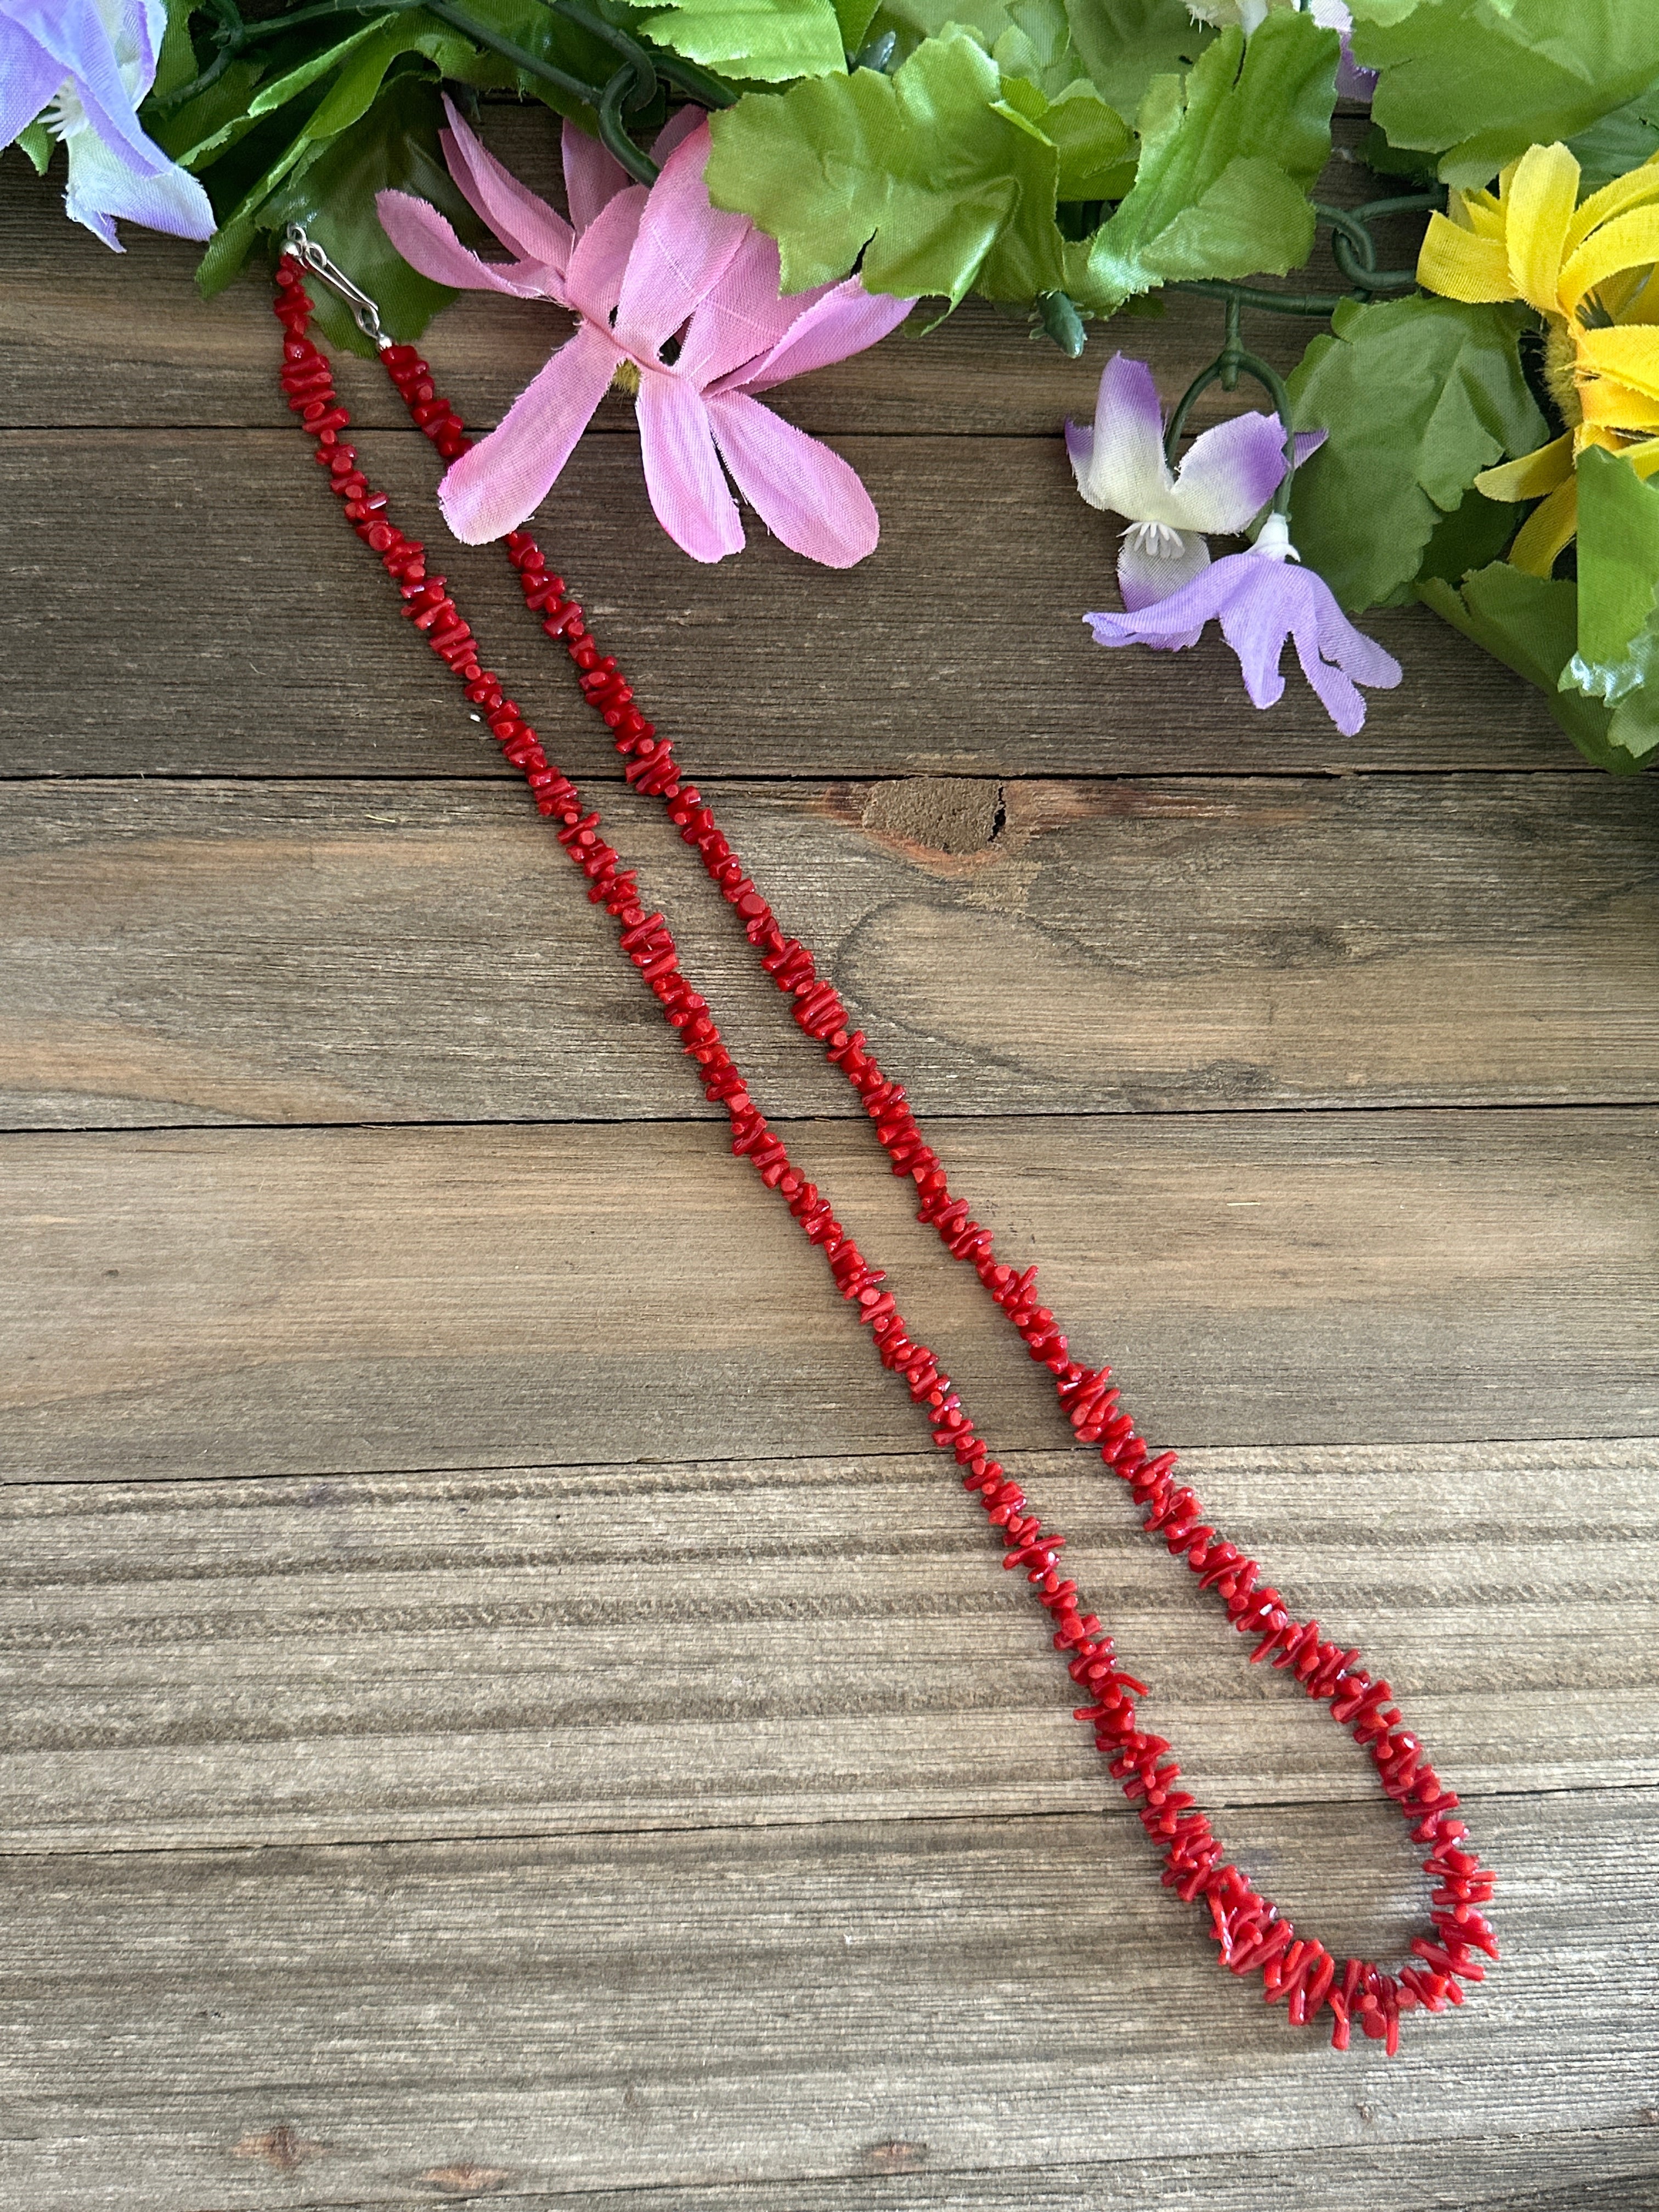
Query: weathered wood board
point(830, 1641)
point(230, 950)
point(228, 1302)
point(959, 646)
point(1002, 2007)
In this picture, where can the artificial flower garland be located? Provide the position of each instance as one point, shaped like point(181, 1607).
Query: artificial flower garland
point(1491, 415)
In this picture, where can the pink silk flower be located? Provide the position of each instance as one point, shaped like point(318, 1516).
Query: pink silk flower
point(688, 296)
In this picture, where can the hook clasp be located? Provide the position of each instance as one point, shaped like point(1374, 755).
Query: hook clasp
point(364, 310)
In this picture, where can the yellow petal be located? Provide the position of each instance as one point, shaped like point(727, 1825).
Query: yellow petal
point(1477, 211)
point(1644, 458)
point(1629, 241)
point(1461, 266)
point(1547, 531)
point(1539, 204)
point(1627, 191)
point(1532, 476)
point(1630, 297)
point(1627, 353)
point(1608, 405)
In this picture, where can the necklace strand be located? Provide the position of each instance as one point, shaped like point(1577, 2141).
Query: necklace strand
point(1251, 1933)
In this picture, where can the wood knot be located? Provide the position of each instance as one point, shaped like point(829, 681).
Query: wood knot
point(281, 2146)
point(896, 2157)
point(952, 814)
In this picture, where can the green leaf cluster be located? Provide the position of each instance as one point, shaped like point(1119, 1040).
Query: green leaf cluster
point(1227, 160)
point(938, 181)
point(761, 41)
point(946, 177)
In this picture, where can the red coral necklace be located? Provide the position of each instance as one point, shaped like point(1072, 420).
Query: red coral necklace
point(1251, 1932)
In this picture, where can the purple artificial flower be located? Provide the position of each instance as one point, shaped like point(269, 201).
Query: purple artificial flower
point(1260, 599)
point(1225, 479)
point(83, 66)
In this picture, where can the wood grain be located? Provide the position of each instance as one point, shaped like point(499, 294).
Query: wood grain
point(253, 1301)
point(305, 952)
point(821, 1641)
point(392, 2025)
point(959, 646)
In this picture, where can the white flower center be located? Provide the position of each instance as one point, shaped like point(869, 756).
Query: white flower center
point(64, 116)
point(1159, 541)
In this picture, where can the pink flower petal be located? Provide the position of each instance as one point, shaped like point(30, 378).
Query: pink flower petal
point(683, 473)
point(600, 260)
point(742, 316)
point(805, 494)
point(428, 243)
point(525, 225)
point(682, 246)
point(507, 476)
point(592, 176)
point(679, 128)
point(842, 319)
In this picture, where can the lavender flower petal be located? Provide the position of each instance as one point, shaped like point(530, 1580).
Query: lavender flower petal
point(1260, 602)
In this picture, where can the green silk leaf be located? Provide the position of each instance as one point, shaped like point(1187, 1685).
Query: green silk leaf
point(1478, 82)
point(1037, 47)
point(1618, 570)
point(912, 20)
point(35, 140)
point(1092, 140)
point(1125, 44)
point(1619, 141)
point(1227, 161)
point(1120, 46)
point(549, 38)
point(366, 119)
point(1418, 396)
point(938, 182)
point(1531, 624)
point(175, 63)
point(215, 120)
point(854, 17)
point(1472, 536)
point(355, 89)
point(768, 41)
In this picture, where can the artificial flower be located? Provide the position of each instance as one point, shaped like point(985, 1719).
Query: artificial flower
point(83, 66)
point(678, 304)
point(1587, 270)
point(1260, 599)
point(1226, 477)
point(1352, 83)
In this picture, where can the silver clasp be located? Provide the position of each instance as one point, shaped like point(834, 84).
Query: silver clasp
point(364, 312)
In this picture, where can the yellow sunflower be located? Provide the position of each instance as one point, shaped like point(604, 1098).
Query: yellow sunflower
point(1589, 270)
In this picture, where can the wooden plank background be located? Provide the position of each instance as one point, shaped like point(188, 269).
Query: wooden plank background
point(502, 1704)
